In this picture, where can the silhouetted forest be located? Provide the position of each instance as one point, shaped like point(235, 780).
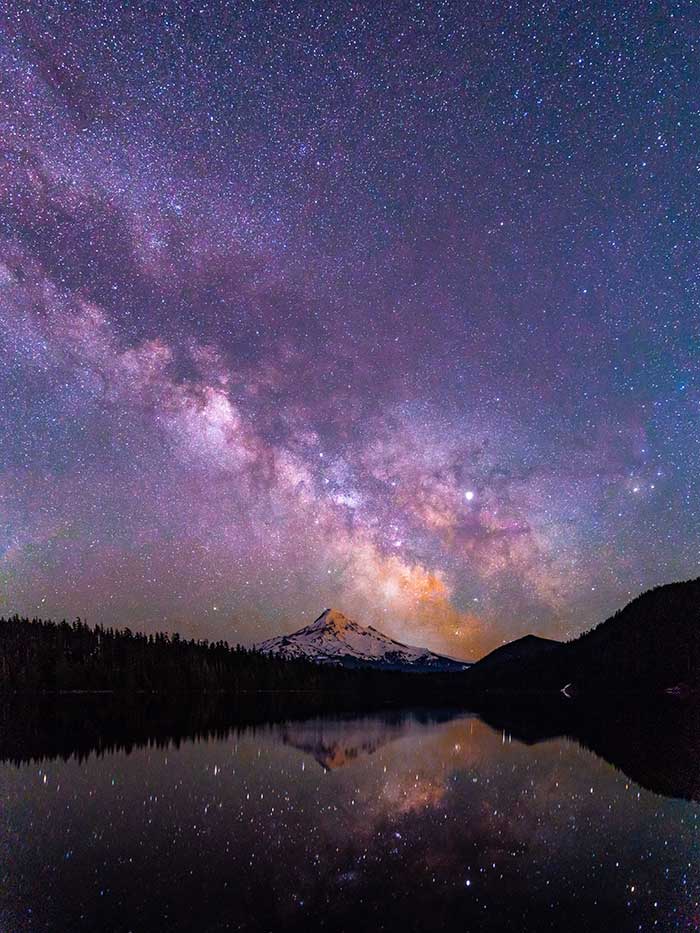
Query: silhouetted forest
point(40, 655)
point(651, 645)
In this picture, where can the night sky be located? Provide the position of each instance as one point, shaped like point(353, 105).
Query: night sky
point(392, 307)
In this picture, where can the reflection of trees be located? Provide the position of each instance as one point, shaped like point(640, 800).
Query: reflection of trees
point(656, 744)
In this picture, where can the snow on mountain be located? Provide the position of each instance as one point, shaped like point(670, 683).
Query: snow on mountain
point(335, 639)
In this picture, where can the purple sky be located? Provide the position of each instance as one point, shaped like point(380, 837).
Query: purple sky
point(393, 308)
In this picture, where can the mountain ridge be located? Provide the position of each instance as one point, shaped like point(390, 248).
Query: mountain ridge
point(652, 644)
point(333, 638)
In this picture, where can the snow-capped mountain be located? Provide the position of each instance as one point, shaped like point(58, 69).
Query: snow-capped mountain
point(335, 639)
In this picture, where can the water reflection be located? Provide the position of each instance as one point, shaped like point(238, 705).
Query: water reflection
point(656, 744)
point(336, 741)
point(413, 819)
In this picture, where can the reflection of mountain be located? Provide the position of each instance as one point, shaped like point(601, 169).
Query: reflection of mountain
point(657, 745)
point(83, 724)
point(336, 742)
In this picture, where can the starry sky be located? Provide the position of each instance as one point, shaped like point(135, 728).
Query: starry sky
point(392, 307)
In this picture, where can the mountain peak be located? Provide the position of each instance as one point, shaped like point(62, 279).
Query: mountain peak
point(334, 639)
point(332, 619)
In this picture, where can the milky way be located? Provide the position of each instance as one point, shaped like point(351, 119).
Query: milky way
point(390, 307)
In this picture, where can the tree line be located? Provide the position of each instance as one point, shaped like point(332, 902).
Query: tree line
point(43, 655)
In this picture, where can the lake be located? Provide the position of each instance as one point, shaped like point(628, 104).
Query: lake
point(397, 820)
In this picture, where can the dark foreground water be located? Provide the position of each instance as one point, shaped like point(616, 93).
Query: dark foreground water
point(412, 820)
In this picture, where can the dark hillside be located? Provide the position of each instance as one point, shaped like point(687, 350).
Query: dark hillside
point(651, 645)
point(516, 655)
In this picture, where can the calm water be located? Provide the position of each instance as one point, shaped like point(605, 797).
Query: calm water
point(384, 822)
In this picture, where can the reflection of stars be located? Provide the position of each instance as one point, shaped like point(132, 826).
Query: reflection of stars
point(394, 811)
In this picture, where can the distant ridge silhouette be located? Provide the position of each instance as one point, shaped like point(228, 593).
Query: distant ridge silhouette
point(651, 645)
